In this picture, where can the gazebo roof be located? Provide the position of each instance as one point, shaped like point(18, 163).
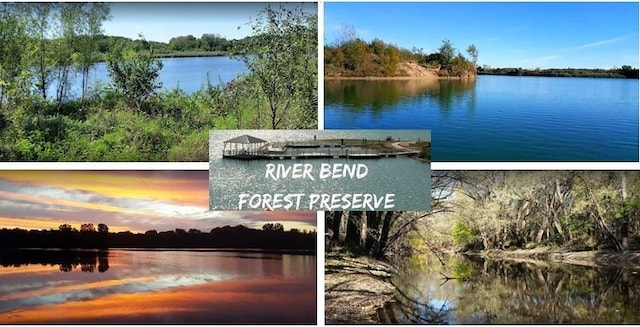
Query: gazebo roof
point(245, 139)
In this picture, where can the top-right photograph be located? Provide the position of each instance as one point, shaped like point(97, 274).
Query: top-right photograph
point(499, 81)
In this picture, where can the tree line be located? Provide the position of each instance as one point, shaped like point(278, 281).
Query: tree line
point(44, 46)
point(271, 237)
point(353, 57)
point(625, 71)
point(482, 210)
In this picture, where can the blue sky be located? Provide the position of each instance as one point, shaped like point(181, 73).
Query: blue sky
point(164, 20)
point(524, 34)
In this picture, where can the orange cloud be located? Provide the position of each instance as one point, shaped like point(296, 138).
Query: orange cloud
point(186, 187)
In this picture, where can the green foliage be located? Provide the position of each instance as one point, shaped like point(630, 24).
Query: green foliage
point(135, 75)
point(353, 57)
point(461, 233)
point(473, 52)
point(42, 45)
point(447, 53)
point(462, 269)
point(282, 59)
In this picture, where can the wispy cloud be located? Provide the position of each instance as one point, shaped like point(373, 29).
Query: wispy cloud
point(137, 201)
point(603, 42)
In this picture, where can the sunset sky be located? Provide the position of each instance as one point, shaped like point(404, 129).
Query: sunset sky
point(124, 200)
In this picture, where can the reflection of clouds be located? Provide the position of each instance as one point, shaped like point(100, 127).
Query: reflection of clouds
point(266, 301)
point(169, 287)
point(83, 292)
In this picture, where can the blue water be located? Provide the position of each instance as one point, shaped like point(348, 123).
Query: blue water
point(498, 118)
point(187, 74)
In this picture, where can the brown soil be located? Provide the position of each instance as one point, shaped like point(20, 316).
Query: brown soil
point(355, 288)
point(406, 70)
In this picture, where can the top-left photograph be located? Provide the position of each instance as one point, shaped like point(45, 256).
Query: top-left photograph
point(147, 81)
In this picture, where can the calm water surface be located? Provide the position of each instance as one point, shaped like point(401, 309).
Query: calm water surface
point(187, 74)
point(509, 292)
point(498, 118)
point(120, 286)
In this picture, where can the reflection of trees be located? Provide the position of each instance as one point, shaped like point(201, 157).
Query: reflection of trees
point(67, 260)
point(530, 292)
point(381, 95)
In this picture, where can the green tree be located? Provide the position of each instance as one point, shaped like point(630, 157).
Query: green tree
point(135, 75)
point(40, 45)
point(13, 67)
point(282, 57)
point(473, 52)
point(65, 47)
point(90, 27)
point(447, 53)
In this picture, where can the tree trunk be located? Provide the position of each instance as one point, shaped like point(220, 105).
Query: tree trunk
point(384, 234)
point(373, 230)
point(624, 228)
point(354, 223)
point(336, 222)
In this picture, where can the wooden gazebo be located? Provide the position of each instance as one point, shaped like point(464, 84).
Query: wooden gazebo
point(243, 146)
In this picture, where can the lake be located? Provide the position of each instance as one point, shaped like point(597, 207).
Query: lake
point(171, 286)
point(511, 292)
point(498, 118)
point(188, 74)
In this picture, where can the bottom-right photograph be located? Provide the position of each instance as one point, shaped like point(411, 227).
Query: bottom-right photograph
point(497, 247)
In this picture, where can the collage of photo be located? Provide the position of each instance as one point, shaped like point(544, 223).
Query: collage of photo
point(319, 163)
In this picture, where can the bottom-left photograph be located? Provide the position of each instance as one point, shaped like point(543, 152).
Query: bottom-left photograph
point(141, 247)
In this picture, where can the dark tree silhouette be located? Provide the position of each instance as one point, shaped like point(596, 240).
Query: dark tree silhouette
point(65, 228)
point(103, 228)
point(274, 227)
point(88, 227)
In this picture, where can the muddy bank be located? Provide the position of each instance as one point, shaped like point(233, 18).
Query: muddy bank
point(355, 288)
point(624, 259)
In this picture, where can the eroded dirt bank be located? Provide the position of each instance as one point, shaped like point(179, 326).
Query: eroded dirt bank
point(355, 288)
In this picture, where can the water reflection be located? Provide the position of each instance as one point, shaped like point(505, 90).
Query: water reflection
point(156, 287)
point(508, 292)
point(498, 118)
point(67, 260)
point(381, 95)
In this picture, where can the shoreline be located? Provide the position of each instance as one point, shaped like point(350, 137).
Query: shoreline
point(381, 78)
point(395, 78)
point(355, 287)
point(594, 258)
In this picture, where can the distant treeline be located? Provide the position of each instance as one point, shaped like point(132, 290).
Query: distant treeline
point(625, 71)
point(238, 237)
point(179, 46)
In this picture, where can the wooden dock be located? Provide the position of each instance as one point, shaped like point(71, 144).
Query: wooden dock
point(324, 154)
